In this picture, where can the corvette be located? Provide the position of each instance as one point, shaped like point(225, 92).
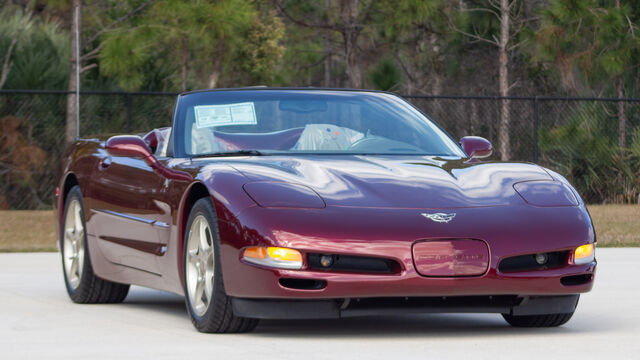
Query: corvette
point(263, 203)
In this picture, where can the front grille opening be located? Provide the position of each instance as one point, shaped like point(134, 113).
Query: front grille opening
point(302, 284)
point(347, 263)
point(528, 262)
point(576, 279)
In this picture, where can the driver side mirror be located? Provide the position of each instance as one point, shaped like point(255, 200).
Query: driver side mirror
point(128, 146)
point(134, 147)
point(476, 147)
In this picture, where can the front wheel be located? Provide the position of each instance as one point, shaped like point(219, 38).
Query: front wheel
point(545, 320)
point(83, 286)
point(207, 303)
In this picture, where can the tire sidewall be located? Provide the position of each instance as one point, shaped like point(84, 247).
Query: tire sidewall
point(205, 208)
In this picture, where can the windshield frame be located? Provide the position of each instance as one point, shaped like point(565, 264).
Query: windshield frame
point(177, 148)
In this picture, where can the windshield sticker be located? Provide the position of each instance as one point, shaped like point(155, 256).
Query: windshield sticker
point(244, 113)
point(225, 115)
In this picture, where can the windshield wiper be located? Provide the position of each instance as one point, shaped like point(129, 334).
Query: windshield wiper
point(232, 153)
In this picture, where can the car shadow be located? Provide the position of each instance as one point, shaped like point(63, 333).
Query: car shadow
point(401, 326)
point(156, 301)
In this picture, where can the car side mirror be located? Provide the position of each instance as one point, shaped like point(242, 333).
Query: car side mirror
point(476, 147)
point(134, 147)
point(129, 146)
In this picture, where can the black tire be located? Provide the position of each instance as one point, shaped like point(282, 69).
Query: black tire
point(546, 320)
point(91, 289)
point(218, 317)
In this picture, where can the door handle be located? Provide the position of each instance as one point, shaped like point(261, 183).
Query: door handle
point(104, 163)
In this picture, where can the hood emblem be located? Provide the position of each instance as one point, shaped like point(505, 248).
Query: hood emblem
point(440, 217)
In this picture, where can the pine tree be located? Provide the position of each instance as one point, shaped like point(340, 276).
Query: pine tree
point(592, 45)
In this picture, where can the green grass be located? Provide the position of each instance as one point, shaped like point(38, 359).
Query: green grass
point(616, 225)
point(34, 230)
point(27, 230)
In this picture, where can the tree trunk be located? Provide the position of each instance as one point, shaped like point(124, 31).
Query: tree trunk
point(183, 65)
point(327, 50)
point(436, 74)
point(505, 116)
point(350, 33)
point(622, 117)
point(475, 118)
point(213, 79)
point(326, 82)
point(71, 120)
point(354, 76)
point(217, 66)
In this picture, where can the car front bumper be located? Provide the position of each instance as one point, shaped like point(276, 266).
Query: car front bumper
point(340, 308)
point(392, 234)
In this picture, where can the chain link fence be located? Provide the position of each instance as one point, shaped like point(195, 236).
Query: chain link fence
point(532, 119)
point(568, 135)
point(32, 135)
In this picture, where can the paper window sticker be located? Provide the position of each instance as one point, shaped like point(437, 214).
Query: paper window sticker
point(224, 115)
point(212, 115)
point(243, 114)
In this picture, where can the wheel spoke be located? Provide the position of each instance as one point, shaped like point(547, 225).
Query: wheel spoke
point(208, 258)
point(204, 244)
point(78, 221)
point(73, 271)
point(80, 241)
point(208, 281)
point(205, 293)
point(199, 292)
point(80, 236)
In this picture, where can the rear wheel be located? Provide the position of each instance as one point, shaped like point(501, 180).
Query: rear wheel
point(546, 320)
point(81, 283)
point(207, 302)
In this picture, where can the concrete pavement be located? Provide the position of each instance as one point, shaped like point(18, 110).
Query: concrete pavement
point(37, 320)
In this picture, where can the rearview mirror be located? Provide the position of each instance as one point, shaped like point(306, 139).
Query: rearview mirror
point(476, 147)
point(129, 146)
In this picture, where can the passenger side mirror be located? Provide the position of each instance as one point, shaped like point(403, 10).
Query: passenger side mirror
point(129, 146)
point(476, 147)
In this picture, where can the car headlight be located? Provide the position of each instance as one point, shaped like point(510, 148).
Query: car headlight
point(276, 257)
point(546, 193)
point(274, 194)
point(584, 254)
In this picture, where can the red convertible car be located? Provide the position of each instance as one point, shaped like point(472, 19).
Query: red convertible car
point(318, 203)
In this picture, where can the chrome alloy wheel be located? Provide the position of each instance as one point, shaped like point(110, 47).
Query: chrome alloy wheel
point(200, 265)
point(73, 244)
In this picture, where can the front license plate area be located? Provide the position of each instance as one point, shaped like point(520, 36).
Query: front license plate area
point(451, 258)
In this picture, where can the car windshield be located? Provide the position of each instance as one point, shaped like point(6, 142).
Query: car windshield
point(306, 122)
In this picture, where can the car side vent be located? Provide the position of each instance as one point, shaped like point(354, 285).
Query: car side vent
point(346, 263)
point(540, 261)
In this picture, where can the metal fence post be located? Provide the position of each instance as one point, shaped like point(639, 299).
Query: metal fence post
point(536, 122)
point(128, 104)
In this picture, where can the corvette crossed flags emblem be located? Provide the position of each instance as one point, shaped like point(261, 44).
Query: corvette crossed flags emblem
point(440, 217)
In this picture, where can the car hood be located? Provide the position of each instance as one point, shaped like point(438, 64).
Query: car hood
point(395, 181)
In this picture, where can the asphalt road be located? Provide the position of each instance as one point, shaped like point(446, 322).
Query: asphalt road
point(37, 320)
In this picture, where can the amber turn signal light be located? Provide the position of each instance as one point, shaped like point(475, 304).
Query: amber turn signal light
point(584, 254)
point(277, 257)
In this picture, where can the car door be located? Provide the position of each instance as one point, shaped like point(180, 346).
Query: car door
point(129, 212)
